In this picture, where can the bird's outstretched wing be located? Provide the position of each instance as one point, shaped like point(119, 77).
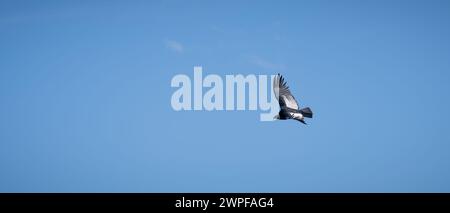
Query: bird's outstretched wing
point(282, 93)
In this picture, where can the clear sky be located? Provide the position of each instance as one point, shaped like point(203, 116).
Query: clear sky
point(85, 96)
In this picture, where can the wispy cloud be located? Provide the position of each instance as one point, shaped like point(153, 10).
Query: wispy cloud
point(262, 63)
point(174, 45)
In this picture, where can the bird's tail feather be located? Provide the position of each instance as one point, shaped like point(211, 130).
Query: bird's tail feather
point(306, 112)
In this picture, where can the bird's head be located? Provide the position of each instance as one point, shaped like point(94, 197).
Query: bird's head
point(276, 117)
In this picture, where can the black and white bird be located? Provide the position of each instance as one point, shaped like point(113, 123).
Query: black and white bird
point(289, 108)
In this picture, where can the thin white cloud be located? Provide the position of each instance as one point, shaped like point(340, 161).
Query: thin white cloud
point(266, 64)
point(174, 46)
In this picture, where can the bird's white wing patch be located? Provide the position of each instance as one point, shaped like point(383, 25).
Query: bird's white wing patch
point(290, 101)
point(297, 115)
point(283, 94)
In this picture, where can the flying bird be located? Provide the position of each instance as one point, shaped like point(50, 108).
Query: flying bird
point(289, 108)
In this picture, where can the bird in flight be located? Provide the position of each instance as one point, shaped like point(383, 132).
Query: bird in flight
point(289, 108)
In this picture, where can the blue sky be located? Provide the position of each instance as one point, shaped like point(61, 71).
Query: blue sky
point(85, 96)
